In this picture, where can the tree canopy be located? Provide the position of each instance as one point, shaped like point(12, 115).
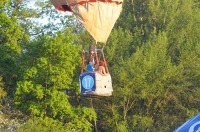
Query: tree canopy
point(153, 55)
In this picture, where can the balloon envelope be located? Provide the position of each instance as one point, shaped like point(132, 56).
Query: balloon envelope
point(98, 17)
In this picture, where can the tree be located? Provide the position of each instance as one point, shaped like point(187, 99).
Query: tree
point(183, 27)
point(38, 124)
point(40, 17)
point(44, 90)
point(11, 36)
point(152, 54)
point(50, 73)
point(145, 79)
point(2, 92)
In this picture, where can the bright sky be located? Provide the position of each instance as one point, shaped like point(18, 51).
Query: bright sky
point(44, 19)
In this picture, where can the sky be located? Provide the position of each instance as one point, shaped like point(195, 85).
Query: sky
point(44, 19)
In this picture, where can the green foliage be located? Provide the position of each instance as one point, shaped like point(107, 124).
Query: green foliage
point(152, 53)
point(49, 68)
point(38, 124)
point(183, 28)
point(144, 78)
point(148, 84)
point(81, 121)
point(3, 3)
point(2, 92)
point(11, 36)
point(49, 75)
point(141, 123)
point(119, 39)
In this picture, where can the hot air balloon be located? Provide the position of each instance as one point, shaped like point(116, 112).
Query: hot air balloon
point(98, 17)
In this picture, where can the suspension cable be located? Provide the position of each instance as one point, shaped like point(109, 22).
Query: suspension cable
point(96, 54)
point(104, 59)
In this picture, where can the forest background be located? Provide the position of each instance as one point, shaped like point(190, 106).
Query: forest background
point(153, 54)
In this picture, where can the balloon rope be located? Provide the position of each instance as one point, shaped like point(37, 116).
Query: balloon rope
point(96, 54)
point(104, 59)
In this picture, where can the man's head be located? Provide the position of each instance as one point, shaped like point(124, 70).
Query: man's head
point(91, 63)
point(101, 63)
